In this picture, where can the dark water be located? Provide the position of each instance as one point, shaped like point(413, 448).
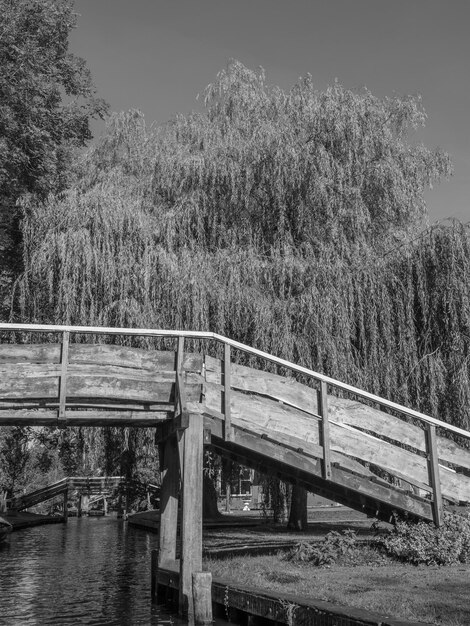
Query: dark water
point(90, 571)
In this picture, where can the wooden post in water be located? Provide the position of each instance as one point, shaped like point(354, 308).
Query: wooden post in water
point(191, 523)
point(202, 598)
point(168, 501)
point(66, 513)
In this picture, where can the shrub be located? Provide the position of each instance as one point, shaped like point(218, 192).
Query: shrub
point(422, 542)
point(333, 546)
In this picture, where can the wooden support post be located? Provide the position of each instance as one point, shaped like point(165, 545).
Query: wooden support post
point(178, 372)
point(85, 503)
point(227, 386)
point(169, 502)
point(202, 598)
point(64, 359)
point(153, 574)
point(66, 512)
point(227, 496)
point(434, 477)
point(105, 505)
point(322, 400)
point(79, 511)
point(191, 523)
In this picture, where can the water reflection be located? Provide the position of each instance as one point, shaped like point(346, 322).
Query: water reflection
point(90, 571)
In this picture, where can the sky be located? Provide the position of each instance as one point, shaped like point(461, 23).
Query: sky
point(158, 55)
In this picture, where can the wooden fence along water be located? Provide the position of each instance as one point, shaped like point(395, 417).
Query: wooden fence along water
point(336, 440)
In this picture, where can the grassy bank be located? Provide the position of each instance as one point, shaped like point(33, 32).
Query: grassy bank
point(368, 580)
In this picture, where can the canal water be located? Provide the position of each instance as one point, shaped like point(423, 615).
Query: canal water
point(89, 571)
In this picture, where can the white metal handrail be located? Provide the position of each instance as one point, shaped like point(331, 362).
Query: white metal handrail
point(189, 334)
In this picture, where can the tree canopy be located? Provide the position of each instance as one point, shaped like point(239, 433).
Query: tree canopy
point(46, 93)
point(47, 100)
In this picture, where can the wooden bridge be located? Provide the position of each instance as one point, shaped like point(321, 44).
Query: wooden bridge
point(89, 485)
point(336, 440)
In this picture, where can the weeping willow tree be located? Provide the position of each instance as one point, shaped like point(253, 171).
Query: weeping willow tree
point(296, 210)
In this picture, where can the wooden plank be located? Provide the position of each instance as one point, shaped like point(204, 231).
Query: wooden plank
point(168, 502)
point(30, 353)
point(434, 475)
point(159, 390)
point(98, 354)
point(191, 523)
point(48, 370)
point(139, 358)
point(42, 417)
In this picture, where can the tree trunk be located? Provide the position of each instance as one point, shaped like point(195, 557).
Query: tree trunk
point(209, 499)
point(298, 509)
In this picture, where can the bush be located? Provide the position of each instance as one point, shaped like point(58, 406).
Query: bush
point(423, 543)
point(326, 552)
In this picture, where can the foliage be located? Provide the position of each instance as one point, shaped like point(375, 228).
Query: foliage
point(15, 455)
point(46, 93)
point(276, 496)
point(422, 542)
point(326, 552)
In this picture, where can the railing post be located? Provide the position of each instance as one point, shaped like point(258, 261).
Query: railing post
point(227, 386)
point(64, 359)
point(434, 477)
point(322, 400)
point(178, 370)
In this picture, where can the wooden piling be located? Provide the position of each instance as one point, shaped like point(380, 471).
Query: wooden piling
point(202, 598)
point(168, 501)
point(191, 523)
point(66, 513)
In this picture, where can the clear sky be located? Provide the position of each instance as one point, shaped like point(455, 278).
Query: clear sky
point(157, 55)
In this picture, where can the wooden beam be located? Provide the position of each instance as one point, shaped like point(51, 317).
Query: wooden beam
point(227, 393)
point(191, 524)
point(168, 501)
point(66, 513)
point(64, 359)
point(434, 474)
point(202, 597)
point(90, 384)
point(41, 417)
point(324, 430)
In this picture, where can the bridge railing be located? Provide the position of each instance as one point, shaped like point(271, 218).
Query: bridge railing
point(201, 335)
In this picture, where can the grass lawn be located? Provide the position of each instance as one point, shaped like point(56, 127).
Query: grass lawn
point(365, 579)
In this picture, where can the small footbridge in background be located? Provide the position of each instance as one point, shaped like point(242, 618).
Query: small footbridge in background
point(94, 486)
point(198, 389)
